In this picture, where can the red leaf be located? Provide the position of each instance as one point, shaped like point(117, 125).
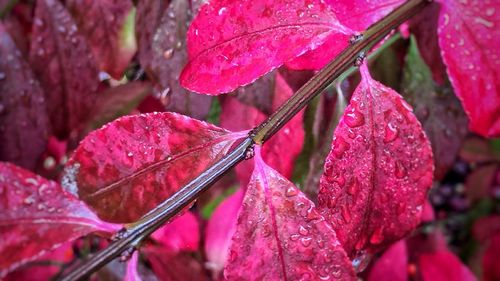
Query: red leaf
point(24, 124)
point(108, 27)
point(392, 265)
point(356, 15)
point(484, 228)
point(443, 266)
point(469, 37)
point(378, 172)
point(129, 166)
point(220, 229)
point(491, 262)
point(36, 215)
point(162, 53)
point(169, 266)
point(61, 59)
point(232, 43)
point(282, 149)
point(182, 234)
point(281, 236)
point(131, 273)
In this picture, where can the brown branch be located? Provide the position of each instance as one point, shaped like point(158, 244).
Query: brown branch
point(131, 236)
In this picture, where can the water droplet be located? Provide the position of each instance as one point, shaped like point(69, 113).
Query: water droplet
point(377, 236)
point(399, 170)
point(294, 237)
point(232, 256)
point(222, 11)
point(354, 119)
point(29, 200)
point(353, 187)
point(303, 231)
point(306, 241)
point(337, 272)
point(346, 215)
point(41, 206)
point(406, 105)
point(361, 261)
point(339, 146)
point(168, 53)
point(61, 29)
point(291, 191)
point(130, 154)
point(391, 133)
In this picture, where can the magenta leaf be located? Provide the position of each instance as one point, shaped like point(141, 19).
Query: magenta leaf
point(280, 235)
point(232, 43)
point(108, 27)
point(469, 37)
point(131, 273)
point(443, 266)
point(378, 172)
point(24, 124)
point(162, 53)
point(220, 229)
point(392, 265)
point(62, 60)
point(437, 108)
point(129, 166)
point(36, 215)
point(182, 234)
point(282, 149)
point(356, 15)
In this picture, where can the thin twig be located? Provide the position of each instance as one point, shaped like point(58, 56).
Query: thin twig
point(136, 232)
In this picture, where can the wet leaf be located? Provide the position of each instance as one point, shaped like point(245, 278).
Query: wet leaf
point(232, 43)
point(392, 265)
point(357, 15)
point(37, 215)
point(62, 60)
point(437, 108)
point(220, 229)
point(280, 235)
point(443, 266)
point(116, 102)
point(126, 168)
point(378, 172)
point(162, 54)
point(282, 150)
point(108, 26)
point(24, 124)
point(182, 234)
point(469, 37)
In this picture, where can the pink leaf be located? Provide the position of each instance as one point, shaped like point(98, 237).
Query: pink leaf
point(182, 234)
point(281, 236)
point(62, 60)
point(232, 43)
point(131, 273)
point(108, 27)
point(220, 229)
point(443, 266)
point(129, 166)
point(282, 149)
point(36, 215)
point(24, 123)
point(392, 265)
point(378, 172)
point(469, 37)
point(356, 15)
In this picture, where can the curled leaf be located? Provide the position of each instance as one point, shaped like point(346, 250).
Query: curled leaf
point(129, 166)
point(232, 43)
point(378, 172)
point(36, 216)
point(280, 235)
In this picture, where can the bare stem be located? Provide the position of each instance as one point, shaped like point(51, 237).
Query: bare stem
point(131, 236)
